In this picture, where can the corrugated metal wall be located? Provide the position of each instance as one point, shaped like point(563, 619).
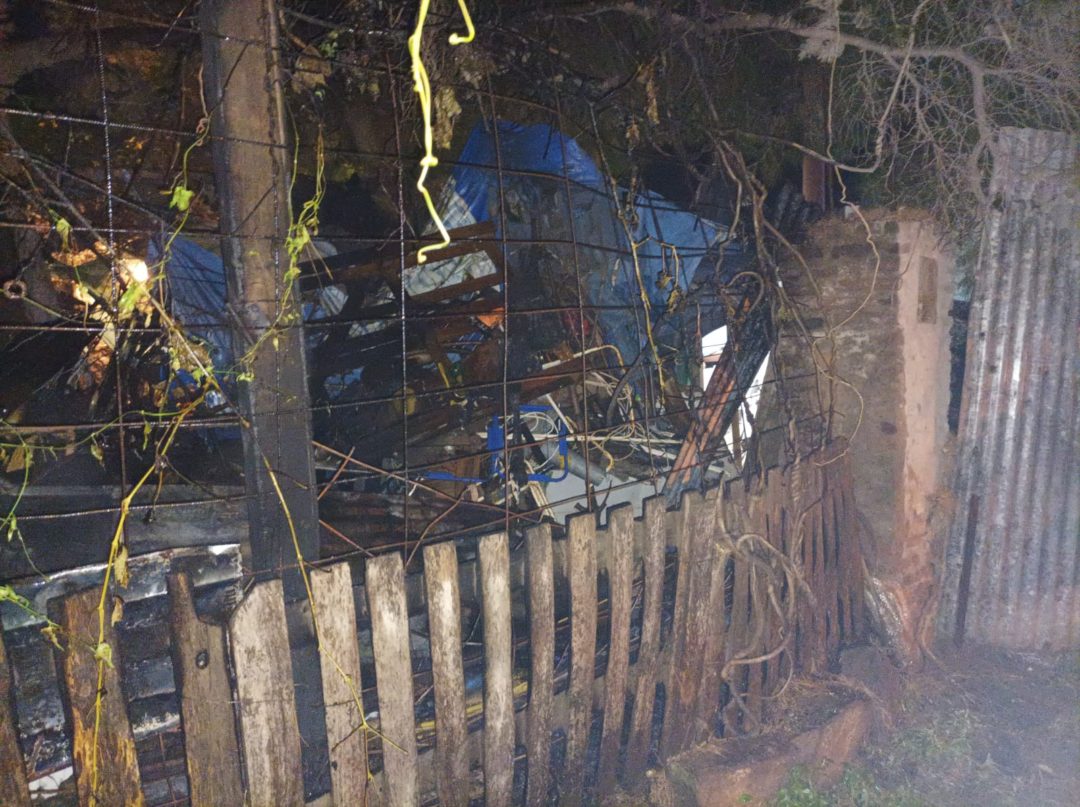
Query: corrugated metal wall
point(1012, 574)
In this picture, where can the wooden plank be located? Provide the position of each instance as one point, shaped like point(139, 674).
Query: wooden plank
point(686, 673)
point(444, 628)
point(498, 670)
point(713, 656)
point(116, 778)
point(339, 662)
point(620, 586)
point(758, 610)
point(582, 571)
point(393, 678)
point(739, 629)
point(775, 492)
point(831, 556)
point(684, 530)
point(13, 787)
point(654, 544)
point(202, 681)
point(542, 647)
point(264, 686)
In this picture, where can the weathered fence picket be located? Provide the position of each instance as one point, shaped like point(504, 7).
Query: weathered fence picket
point(582, 572)
point(202, 679)
point(542, 646)
point(393, 678)
point(498, 670)
point(264, 690)
point(339, 655)
point(620, 601)
point(726, 651)
point(444, 628)
point(654, 545)
point(110, 774)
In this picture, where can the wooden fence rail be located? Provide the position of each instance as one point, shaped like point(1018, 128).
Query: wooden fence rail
point(591, 649)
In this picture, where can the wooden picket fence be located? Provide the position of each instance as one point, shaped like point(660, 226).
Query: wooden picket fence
point(690, 605)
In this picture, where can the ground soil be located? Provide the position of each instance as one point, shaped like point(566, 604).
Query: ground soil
point(974, 728)
point(982, 728)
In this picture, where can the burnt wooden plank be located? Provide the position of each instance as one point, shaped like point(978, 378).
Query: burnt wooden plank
point(109, 774)
point(498, 670)
point(654, 544)
point(202, 681)
point(444, 628)
point(13, 787)
point(339, 661)
point(542, 647)
point(582, 571)
point(393, 678)
point(264, 688)
point(620, 586)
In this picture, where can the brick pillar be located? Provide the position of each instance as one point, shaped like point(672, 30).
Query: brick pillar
point(879, 326)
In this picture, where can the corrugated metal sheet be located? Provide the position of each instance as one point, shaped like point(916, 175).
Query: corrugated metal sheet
point(1013, 566)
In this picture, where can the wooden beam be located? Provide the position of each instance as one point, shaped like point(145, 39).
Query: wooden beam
point(243, 83)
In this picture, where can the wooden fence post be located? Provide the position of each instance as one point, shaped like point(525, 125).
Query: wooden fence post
point(393, 678)
point(264, 686)
point(206, 701)
point(339, 661)
point(117, 774)
point(447, 669)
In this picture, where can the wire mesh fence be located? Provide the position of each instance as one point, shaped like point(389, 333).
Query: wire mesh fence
point(229, 320)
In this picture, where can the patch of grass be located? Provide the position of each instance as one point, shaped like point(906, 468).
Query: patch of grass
point(858, 788)
point(945, 741)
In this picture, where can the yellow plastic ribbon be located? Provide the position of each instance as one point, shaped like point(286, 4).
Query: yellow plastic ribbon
point(422, 86)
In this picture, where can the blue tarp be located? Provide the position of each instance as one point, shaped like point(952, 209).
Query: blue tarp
point(555, 193)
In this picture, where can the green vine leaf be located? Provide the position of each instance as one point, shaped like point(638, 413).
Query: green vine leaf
point(103, 652)
point(51, 634)
point(128, 299)
point(63, 229)
point(181, 198)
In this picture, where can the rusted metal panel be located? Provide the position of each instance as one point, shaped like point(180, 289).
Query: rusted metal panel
point(1012, 565)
